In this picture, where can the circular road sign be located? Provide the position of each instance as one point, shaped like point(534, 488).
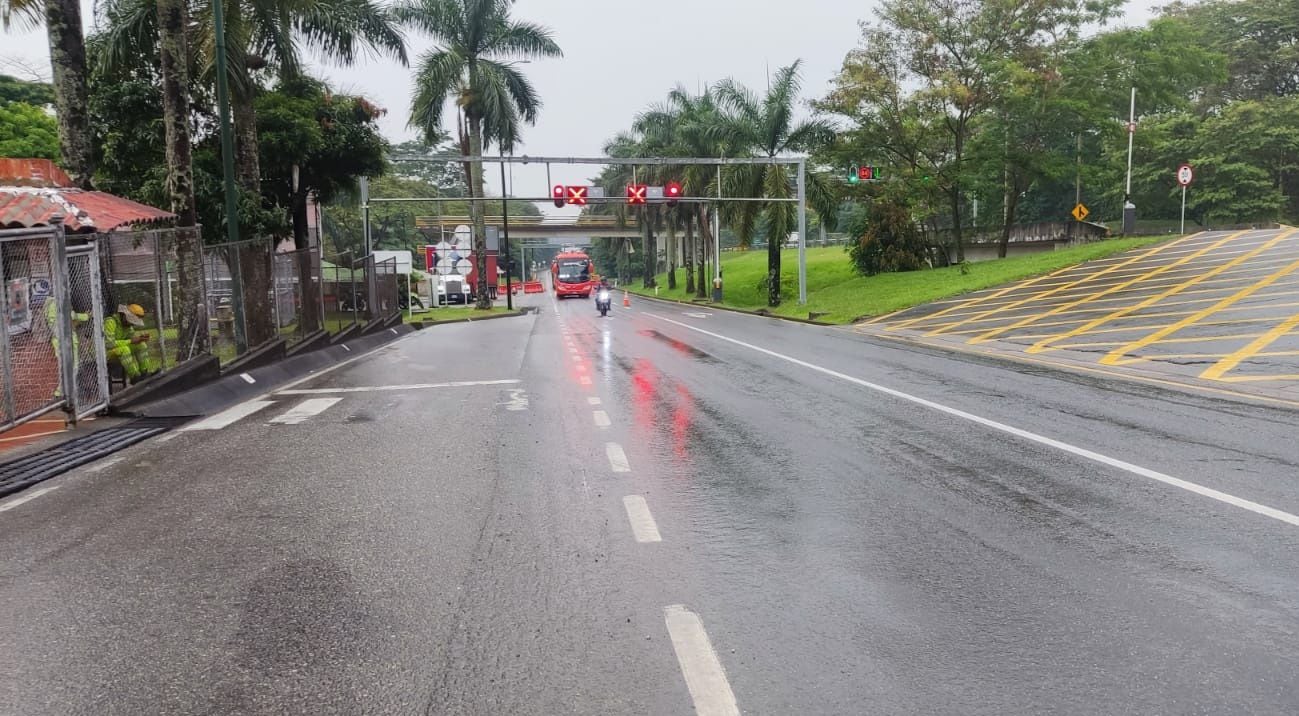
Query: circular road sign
point(1185, 175)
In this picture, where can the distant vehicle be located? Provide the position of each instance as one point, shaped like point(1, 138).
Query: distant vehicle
point(454, 289)
point(572, 274)
point(603, 302)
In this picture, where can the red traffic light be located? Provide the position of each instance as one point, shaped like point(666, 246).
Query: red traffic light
point(577, 195)
point(866, 173)
point(672, 192)
point(558, 194)
point(636, 193)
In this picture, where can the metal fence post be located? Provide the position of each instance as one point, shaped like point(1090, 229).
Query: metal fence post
point(63, 317)
point(97, 314)
point(275, 291)
point(237, 300)
point(162, 300)
point(6, 361)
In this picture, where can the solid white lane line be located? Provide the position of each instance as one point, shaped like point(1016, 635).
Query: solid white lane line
point(617, 458)
point(229, 415)
point(383, 388)
point(305, 410)
point(601, 418)
point(593, 400)
point(1223, 497)
point(643, 527)
point(26, 497)
point(248, 378)
point(705, 677)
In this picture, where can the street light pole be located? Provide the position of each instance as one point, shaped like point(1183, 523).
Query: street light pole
point(505, 238)
point(228, 169)
point(1130, 209)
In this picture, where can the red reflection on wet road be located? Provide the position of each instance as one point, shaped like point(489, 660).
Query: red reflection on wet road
point(644, 388)
point(682, 414)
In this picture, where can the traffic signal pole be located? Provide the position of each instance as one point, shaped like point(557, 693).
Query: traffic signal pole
point(802, 232)
point(505, 240)
point(561, 199)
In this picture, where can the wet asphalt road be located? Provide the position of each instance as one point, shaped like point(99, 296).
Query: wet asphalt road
point(469, 548)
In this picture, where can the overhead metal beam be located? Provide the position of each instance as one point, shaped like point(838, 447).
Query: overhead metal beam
point(603, 200)
point(626, 161)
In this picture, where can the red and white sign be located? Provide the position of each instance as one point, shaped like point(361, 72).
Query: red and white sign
point(1185, 175)
point(577, 195)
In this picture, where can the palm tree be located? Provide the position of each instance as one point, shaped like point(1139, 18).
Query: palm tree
point(687, 125)
point(262, 34)
point(68, 61)
point(173, 18)
point(765, 127)
point(471, 64)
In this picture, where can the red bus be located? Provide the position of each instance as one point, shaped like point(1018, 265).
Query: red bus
point(572, 274)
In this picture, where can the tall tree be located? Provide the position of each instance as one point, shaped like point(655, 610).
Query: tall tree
point(68, 62)
point(173, 19)
point(765, 127)
point(476, 39)
point(952, 51)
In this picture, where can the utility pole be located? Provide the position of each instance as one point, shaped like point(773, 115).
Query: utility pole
point(505, 239)
point(228, 169)
point(1077, 181)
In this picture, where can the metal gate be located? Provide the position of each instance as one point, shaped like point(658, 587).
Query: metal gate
point(28, 363)
point(90, 372)
point(44, 284)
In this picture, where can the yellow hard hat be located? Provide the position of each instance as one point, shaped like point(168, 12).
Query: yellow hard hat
point(136, 309)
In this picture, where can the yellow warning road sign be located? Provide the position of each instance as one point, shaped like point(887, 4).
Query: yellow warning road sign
point(1080, 212)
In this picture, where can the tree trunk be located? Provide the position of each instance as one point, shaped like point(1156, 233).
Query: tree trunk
point(650, 246)
point(702, 242)
point(255, 262)
point(476, 212)
point(688, 254)
point(68, 61)
point(1007, 219)
point(173, 54)
point(956, 196)
point(309, 293)
point(671, 226)
point(774, 245)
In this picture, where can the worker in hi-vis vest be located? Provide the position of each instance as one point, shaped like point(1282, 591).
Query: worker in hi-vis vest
point(52, 321)
point(127, 346)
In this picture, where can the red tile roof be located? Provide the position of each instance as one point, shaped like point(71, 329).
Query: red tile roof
point(83, 211)
point(32, 172)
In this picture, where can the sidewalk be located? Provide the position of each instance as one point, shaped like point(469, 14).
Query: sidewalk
point(27, 433)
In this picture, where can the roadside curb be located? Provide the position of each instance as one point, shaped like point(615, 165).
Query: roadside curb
point(792, 319)
point(469, 319)
point(236, 387)
point(1172, 385)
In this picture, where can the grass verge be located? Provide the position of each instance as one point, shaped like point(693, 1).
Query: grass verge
point(836, 290)
point(454, 313)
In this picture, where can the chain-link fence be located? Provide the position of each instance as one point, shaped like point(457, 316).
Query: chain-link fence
point(141, 271)
point(339, 291)
point(298, 302)
point(387, 290)
point(30, 337)
point(90, 373)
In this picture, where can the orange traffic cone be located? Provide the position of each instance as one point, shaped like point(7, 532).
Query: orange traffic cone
point(626, 300)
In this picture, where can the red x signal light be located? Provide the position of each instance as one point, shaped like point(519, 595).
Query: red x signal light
point(636, 193)
point(558, 194)
point(577, 195)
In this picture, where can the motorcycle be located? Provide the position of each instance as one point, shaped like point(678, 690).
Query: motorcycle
point(603, 302)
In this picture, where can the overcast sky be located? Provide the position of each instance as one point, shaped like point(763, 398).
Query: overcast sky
point(619, 57)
